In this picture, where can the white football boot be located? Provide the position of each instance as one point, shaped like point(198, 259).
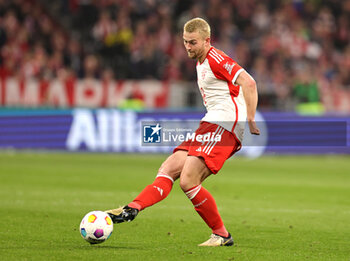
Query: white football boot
point(216, 240)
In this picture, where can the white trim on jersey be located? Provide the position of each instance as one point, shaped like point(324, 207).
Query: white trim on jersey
point(212, 56)
point(211, 148)
point(218, 129)
point(220, 58)
point(236, 75)
point(217, 54)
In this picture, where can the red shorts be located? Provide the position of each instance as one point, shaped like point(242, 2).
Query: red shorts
point(214, 152)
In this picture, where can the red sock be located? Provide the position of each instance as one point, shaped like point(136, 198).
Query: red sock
point(153, 193)
point(205, 205)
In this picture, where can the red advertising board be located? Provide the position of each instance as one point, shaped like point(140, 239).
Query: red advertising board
point(90, 93)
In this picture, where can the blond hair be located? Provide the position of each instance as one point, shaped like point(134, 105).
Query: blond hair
point(198, 24)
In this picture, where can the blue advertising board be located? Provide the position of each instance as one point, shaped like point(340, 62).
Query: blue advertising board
point(111, 130)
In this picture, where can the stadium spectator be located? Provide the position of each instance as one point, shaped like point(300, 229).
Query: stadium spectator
point(306, 91)
point(280, 35)
point(104, 27)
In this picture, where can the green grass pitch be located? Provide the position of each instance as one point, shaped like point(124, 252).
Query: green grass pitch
point(276, 208)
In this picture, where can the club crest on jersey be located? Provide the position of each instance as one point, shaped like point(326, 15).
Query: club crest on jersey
point(229, 67)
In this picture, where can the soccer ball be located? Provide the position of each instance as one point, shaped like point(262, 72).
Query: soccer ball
point(96, 227)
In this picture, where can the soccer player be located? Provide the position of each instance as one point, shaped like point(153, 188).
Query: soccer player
point(230, 97)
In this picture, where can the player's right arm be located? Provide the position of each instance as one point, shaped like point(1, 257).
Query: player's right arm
point(250, 94)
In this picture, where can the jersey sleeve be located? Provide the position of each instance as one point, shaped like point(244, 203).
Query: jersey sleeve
point(224, 68)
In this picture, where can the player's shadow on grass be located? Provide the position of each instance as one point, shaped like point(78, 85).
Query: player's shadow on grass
point(107, 247)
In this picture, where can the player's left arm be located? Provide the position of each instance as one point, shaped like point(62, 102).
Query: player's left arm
point(250, 93)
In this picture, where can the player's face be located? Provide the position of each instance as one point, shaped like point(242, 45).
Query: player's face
point(194, 44)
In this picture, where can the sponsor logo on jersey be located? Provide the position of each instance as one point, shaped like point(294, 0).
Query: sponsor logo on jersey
point(229, 67)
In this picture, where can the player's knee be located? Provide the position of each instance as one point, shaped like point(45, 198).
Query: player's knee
point(187, 182)
point(183, 184)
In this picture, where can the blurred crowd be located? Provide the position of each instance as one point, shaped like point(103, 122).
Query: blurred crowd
point(296, 50)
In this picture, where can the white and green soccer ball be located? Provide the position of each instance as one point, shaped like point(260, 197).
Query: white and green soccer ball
point(96, 227)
